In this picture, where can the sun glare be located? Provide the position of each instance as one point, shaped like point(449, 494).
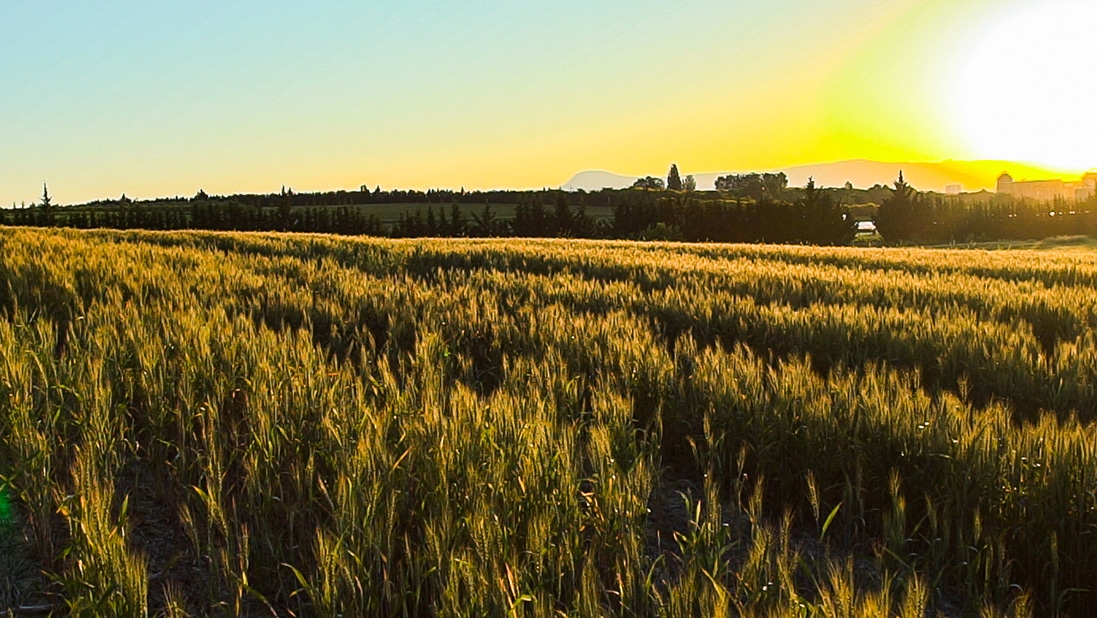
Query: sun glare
point(1025, 88)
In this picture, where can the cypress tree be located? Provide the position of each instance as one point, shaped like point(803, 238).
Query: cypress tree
point(45, 212)
point(561, 218)
point(457, 224)
point(674, 181)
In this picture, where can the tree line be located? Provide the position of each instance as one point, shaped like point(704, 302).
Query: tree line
point(813, 216)
point(743, 208)
point(909, 217)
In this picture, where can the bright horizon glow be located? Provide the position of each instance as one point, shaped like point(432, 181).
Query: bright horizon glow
point(160, 99)
point(1026, 89)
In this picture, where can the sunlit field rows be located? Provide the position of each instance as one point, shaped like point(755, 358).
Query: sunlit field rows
point(202, 423)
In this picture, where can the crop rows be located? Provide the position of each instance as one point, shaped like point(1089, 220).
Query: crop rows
point(206, 423)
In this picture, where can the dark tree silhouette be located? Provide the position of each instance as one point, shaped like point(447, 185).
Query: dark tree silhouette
point(432, 222)
point(674, 181)
point(485, 223)
point(529, 217)
point(285, 212)
point(581, 224)
point(755, 186)
point(825, 221)
point(649, 182)
point(45, 207)
point(561, 216)
point(747, 208)
point(457, 225)
point(901, 216)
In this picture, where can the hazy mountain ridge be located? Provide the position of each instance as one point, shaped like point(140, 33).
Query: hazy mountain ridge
point(862, 173)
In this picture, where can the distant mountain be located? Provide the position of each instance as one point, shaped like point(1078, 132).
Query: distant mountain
point(597, 179)
point(862, 173)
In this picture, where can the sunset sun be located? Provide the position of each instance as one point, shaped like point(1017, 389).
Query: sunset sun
point(1025, 90)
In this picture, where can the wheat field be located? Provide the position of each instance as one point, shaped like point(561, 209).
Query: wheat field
point(231, 423)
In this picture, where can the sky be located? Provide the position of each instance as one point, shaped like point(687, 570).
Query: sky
point(159, 98)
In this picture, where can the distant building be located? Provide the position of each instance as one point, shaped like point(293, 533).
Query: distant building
point(953, 189)
point(1049, 190)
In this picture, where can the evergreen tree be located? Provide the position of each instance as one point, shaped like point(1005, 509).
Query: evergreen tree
point(520, 223)
point(901, 216)
point(485, 224)
point(537, 218)
point(432, 223)
point(374, 226)
point(582, 224)
point(561, 216)
point(45, 207)
point(529, 217)
point(285, 212)
point(457, 224)
point(825, 221)
point(674, 181)
point(443, 223)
